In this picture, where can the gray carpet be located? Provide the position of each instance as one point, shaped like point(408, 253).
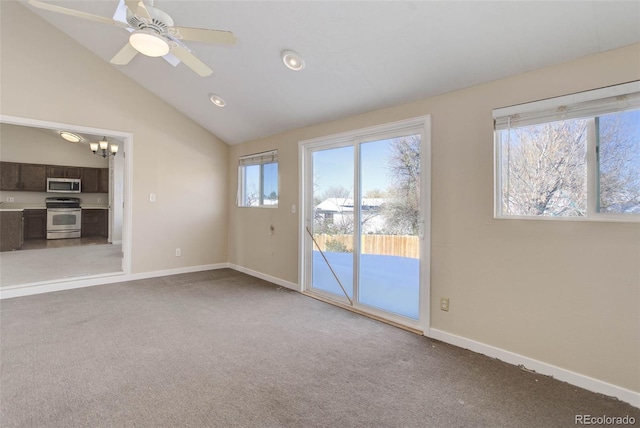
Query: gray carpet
point(223, 349)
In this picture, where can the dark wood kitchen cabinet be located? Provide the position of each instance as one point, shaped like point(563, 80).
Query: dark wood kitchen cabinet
point(90, 180)
point(95, 222)
point(10, 230)
point(23, 177)
point(9, 176)
point(59, 171)
point(103, 184)
point(35, 224)
point(33, 178)
point(95, 180)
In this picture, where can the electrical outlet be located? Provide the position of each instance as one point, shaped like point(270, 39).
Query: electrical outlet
point(293, 209)
point(178, 252)
point(99, 200)
point(10, 199)
point(444, 304)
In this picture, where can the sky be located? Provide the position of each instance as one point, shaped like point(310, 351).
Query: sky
point(335, 167)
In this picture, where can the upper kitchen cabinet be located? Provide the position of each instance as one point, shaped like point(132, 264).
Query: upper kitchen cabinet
point(23, 177)
point(103, 185)
point(9, 176)
point(58, 171)
point(90, 180)
point(95, 180)
point(33, 178)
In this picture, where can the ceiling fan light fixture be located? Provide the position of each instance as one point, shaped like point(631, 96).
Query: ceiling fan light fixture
point(293, 60)
point(70, 136)
point(217, 100)
point(149, 43)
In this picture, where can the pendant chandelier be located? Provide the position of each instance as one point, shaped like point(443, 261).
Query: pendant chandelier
point(103, 148)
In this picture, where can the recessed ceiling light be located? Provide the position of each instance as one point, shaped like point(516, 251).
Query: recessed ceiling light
point(292, 60)
point(70, 136)
point(217, 100)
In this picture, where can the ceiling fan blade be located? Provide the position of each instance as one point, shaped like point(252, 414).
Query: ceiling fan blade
point(125, 55)
point(191, 61)
point(76, 13)
point(138, 9)
point(203, 35)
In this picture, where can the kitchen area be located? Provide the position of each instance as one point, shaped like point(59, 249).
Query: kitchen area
point(57, 197)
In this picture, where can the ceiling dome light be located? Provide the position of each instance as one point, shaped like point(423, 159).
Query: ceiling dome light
point(292, 60)
point(149, 43)
point(217, 100)
point(70, 136)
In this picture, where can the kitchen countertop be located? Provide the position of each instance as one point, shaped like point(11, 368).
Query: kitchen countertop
point(15, 206)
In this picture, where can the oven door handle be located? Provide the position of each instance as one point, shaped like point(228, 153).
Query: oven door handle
point(64, 209)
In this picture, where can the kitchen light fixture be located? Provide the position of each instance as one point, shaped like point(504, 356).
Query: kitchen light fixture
point(292, 60)
point(217, 100)
point(70, 136)
point(149, 43)
point(103, 148)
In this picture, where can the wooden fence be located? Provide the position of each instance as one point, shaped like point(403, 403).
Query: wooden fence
point(388, 245)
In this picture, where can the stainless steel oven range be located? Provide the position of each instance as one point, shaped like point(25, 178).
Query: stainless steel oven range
point(64, 218)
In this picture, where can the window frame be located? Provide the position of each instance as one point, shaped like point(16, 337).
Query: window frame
point(593, 196)
point(257, 159)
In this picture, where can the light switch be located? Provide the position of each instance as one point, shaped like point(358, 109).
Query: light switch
point(152, 197)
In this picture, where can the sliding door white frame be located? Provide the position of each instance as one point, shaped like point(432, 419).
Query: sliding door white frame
point(419, 125)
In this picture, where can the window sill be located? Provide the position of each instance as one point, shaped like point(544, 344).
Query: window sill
point(599, 219)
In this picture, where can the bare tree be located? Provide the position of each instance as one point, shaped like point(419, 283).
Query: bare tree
point(619, 163)
point(544, 169)
point(375, 193)
point(402, 209)
point(252, 196)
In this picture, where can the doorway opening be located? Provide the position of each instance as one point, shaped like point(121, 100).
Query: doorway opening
point(104, 249)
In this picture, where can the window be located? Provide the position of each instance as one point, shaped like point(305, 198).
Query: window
point(570, 157)
point(258, 180)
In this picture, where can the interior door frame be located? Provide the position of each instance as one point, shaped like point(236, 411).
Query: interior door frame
point(127, 190)
point(421, 125)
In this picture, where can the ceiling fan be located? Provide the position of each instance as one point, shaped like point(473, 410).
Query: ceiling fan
point(152, 34)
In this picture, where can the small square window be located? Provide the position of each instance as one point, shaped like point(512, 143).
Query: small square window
point(258, 180)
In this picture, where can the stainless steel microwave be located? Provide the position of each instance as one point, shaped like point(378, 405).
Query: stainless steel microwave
point(63, 185)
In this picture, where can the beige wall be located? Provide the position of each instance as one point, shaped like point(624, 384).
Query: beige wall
point(564, 293)
point(33, 145)
point(47, 76)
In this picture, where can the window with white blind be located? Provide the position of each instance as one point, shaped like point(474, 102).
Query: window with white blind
point(572, 157)
point(258, 180)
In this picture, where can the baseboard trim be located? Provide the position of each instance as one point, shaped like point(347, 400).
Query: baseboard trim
point(176, 271)
point(273, 279)
point(12, 291)
point(576, 379)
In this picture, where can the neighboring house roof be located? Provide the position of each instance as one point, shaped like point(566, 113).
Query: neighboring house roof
point(338, 205)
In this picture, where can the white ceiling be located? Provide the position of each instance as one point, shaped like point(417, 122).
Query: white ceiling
point(360, 55)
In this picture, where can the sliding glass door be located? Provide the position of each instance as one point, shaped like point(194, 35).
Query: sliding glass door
point(332, 260)
point(364, 220)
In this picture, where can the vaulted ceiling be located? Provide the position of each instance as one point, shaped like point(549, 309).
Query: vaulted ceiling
point(360, 55)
